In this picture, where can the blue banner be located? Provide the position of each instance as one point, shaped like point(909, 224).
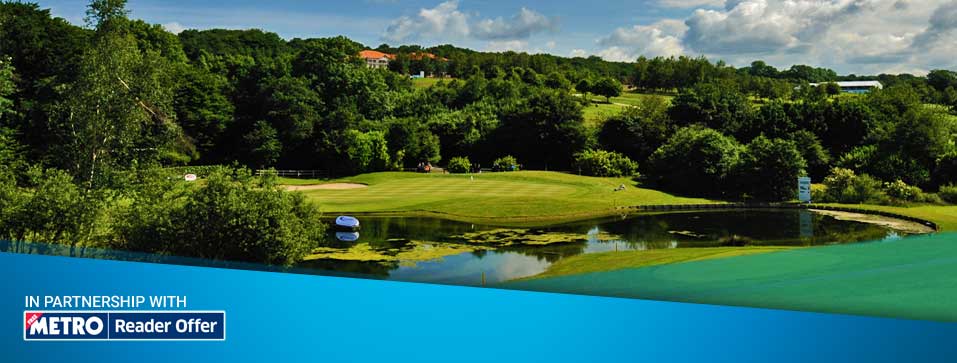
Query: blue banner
point(290, 317)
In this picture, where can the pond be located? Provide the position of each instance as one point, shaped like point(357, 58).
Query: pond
point(443, 251)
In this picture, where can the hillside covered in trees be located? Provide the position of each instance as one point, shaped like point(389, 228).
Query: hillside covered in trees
point(98, 105)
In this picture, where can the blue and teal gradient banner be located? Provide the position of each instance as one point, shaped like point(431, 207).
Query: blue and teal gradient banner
point(288, 317)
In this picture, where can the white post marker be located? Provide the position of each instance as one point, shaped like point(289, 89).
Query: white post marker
point(190, 177)
point(804, 189)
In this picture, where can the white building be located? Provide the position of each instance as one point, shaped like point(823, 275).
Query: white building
point(375, 59)
point(856, 86)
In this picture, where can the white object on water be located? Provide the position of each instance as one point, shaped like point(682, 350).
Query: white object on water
point(347, 222)
point(347, 236)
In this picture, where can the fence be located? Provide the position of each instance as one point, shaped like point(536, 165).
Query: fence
point(304, 174)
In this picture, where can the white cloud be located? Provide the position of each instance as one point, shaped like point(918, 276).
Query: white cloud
point(660, 39)
point(174, 27)
point(942, 23)
point(444, 19)
point(683, 4)
point(520, 26)
point(507, 45)
point(855, 35)
point(578, 53)
point(447, 21)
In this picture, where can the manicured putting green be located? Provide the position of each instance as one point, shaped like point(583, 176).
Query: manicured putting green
point(909, 278)
point(532, 195)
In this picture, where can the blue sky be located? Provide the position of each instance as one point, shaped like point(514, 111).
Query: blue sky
point(851, 36)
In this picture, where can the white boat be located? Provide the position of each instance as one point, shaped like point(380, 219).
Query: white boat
point(347, 222)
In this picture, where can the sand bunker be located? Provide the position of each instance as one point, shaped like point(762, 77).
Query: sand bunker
point(331, 186)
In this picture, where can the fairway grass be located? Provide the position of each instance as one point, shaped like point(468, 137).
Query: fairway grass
point(596, 113)
point(526, 196)
point(909, 278)
point(428, 82)
point(609, 261)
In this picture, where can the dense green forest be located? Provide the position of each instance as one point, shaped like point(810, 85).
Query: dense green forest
point(86, 113)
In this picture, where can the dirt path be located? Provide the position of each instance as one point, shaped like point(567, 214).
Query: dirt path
point(331, 186)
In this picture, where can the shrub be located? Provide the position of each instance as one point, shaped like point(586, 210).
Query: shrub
point(505, 163)
point(844, 186)
point(53, 210)
point(605, 163)
point(233, 216)
point(948, 193)
point(459, 165)
point(899, 190)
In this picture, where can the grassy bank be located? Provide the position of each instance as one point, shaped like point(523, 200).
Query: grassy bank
point(519, 196)
point(609, 261)
point(944, 216)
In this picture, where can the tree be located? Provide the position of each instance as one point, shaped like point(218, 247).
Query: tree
point(411, 142)
point(769, 169)
point(717, 106)
point(7, 87)
point(759, 68)
point(695, 160)
point(584, 86)
point(557, 81)
point(831, 88)
point(203, 109)
point(117, 114)
point(262, 145)
point(545, 130)
point(106, 13)
point(366, 151)
point(817, 158)
point(607, 87)
point(636, 132)
point(942, 79)
point(605, 164)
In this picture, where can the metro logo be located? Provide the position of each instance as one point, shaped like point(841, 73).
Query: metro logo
point(65, 326)
point(124, 325)
point(32, 318)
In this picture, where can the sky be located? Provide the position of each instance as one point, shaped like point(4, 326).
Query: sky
point(849, 36)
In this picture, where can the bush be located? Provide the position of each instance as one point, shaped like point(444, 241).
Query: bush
point(459, 165)
point(505, 163)
point(899, 190)
point(844, 186)
point(233, 216)
point(605, 163)
point(53, 210)
point(948, 193)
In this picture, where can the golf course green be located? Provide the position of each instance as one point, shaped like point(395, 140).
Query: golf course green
point(907, 278)
point(532, 196)
point(525, 196)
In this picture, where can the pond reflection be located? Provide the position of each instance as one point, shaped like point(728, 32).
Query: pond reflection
point(444, 251)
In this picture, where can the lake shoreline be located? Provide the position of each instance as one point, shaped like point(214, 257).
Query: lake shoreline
point(894, 220)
